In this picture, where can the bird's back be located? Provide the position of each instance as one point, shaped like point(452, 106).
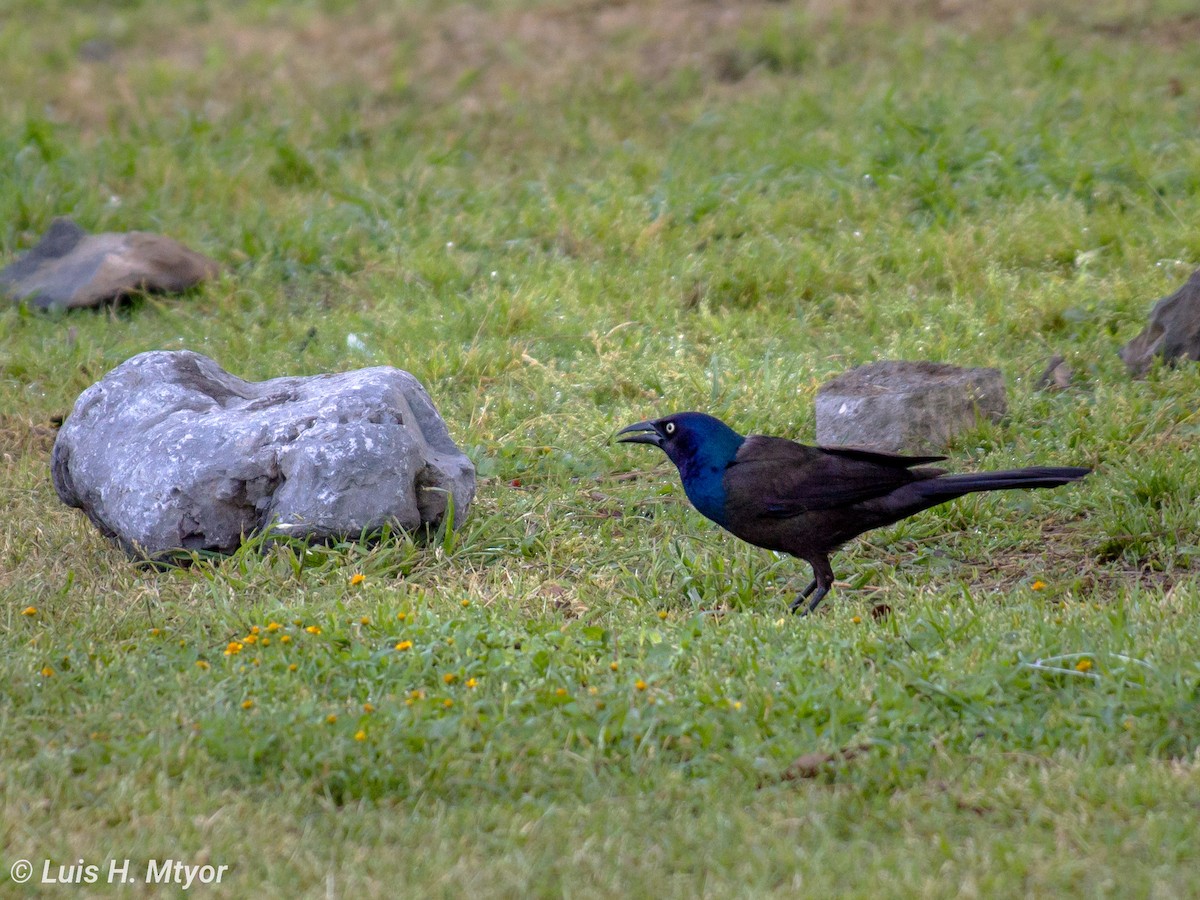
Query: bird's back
point(802, 500)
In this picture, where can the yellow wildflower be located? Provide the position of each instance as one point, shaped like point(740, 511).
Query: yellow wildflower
point(471, 682)
point(449, 678)
point(155, 632)
point(313, 629)
point(254, 629)
point(1083, 665)
point(447, 703)
point(640, 685)
point(560, 692)
point(401, 616)
point(247, 704)
point(264, 642)
point(1038, 585)
point(285, 639)
point(358, 578)
point(273, 626)
point(662, 614)
point(466, 602)
point(331, 719)
point(614, 665)
point(251, 638)
point(360, 735)
point(29, 611)
point(857, 620)
point(47, 672)
point(368, 708)
point(365, 620)
point(404, 645)
point(201, 664)
point(233, 648)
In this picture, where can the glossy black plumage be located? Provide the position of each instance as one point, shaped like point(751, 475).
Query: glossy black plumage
point(808, 501)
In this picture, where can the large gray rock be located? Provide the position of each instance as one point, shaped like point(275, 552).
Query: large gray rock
point(70, 268)
point(168, 451)
point(906, 406)
point(1173, 332)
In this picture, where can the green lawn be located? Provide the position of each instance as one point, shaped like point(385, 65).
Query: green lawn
point(564, 217)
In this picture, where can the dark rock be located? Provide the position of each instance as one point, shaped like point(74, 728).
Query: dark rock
point(906, 406)
point(813, 765)
point(97, 50)
point(1056, 376)
point(1174, 330)
point(70, 268)
point(168, 451)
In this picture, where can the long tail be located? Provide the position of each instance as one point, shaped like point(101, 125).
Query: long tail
point(947, 487)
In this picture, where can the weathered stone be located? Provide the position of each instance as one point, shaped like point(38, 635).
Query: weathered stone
point(168, 451)
point(1173, 332)
point(70, 268)
point(906, 406)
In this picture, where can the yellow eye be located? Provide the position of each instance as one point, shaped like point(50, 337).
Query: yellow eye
point(670, 429)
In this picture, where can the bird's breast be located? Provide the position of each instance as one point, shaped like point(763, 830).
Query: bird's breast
point(706, 491)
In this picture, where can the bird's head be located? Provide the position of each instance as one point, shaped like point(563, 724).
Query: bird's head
point(690, 440)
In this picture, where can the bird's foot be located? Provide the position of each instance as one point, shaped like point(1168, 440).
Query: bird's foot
point(800, 608)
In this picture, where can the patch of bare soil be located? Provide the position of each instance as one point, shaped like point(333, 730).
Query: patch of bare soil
point(1060, 554)
point(380, 54)
point(20, 437)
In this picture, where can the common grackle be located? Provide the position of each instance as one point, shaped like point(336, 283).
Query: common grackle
point(808, 501)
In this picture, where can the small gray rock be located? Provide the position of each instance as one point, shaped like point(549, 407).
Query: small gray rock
point(1055, 376)
point(906, 406)
point(97, 50)
point(70, 268)
point(168, 451)
point(1173, 332)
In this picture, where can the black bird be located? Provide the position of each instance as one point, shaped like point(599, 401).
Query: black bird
point(808, 501)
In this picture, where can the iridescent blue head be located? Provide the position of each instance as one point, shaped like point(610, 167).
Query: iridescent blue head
point(701, 446)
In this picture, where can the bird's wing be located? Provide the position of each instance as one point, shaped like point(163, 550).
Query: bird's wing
point(780, 478)
point(881, 458)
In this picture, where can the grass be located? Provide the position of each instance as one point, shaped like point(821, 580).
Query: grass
point(565, 217)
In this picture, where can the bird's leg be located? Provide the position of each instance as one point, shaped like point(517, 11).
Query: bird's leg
point(812, 586)
point(822, 582)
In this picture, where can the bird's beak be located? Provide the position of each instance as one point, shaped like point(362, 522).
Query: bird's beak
point(641, 433)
